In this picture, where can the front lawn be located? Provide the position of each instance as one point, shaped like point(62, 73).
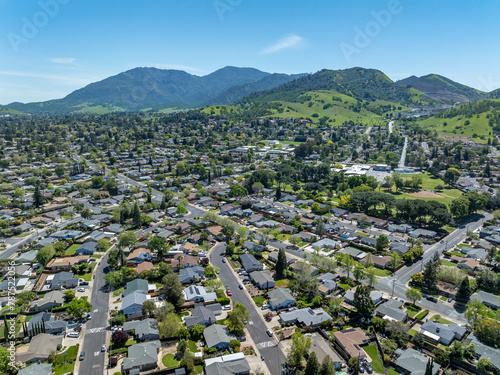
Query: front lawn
point(382, 273)
point(422, 315)
point(392, 371)
point(376, 363)
point(85, 276)
point(169, 361)
point(117, 292)
point(64, 368)
point(412, 310)
point(72, 249)
point(345, 286)
point(259, 300)
point(440, 319)
point(446, 263)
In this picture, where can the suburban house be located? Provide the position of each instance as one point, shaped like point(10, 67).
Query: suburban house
point(63, 280)
point(437, 332)
point(49, 301)
point(141, 357)
point(65, 263)
point(132, 304)
point(188, 276)
point(375, 295)
point(262, 279)
point(231, 364)
point(138, 285)
point(391, 310)
point(484, 351)
point(412, 362)
point(218, 336)
point(369, 241)
point(250, 264)
point(280, 298)
point(349, 341)
point(88, 248)
point(27, 257)
point(139, 255)
point(46, 320)
point(40, 348)
point(305, 317)
point(323, 349)
point(488, 299)
point(200, 315)
point(145, 329)
point(249, 245)
point(273, 257)
point(37, 369)
point(196, 293)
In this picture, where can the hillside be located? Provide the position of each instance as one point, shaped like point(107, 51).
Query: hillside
point(151, 88)
point(478, 121)
point(443, 89)
point(358, 83)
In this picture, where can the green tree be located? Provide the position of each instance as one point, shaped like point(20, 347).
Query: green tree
point(382, 242)
point(173, 290)
point(395, 259)
point(158, 244)
point(38, 199)
point(354, 364)
point(281, 265)
point(227, 231)
point(464, 291)
point(181, 209)
point(127, 239)
point(136, 215)
point(327, 366)
point(298, 349)
point(476, 311)
point(430, 272)
point(45, 254)
point(312, 365)
point(182, 346)
point(429, 367)
point(236, 190)
point(362, 301)
point(148, 307)
point(78, 307)
point(237, 318)
point(347, 264)
point(86, 213)
point(370, 276)
point(4, 361)
point(69, 295)
point(413, 295)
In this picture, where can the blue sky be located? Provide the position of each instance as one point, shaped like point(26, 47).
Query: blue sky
point(49, 48)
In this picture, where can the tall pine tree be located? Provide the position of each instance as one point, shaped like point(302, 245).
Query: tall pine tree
point(136, 216)
point(281, 265)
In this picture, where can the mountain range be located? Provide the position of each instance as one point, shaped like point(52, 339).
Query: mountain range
point(156, 89)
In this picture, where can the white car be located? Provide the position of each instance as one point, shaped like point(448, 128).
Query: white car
point(81, 290)
point(73, 334)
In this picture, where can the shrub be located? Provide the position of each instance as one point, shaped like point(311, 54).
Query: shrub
point(120, 337)
point(422, 315)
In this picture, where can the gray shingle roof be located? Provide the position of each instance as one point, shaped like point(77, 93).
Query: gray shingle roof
point(280, 295)
point(415, 363)
point(142, 354)
point(216, 334)
point(307, 316)
point(228, 368)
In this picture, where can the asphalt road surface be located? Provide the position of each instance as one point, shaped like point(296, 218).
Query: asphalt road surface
point(95, 330)
point(267, 346)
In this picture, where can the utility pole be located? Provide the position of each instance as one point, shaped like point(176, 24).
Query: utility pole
point(393, 284)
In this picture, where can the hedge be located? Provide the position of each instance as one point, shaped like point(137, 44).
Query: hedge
point(422, 315)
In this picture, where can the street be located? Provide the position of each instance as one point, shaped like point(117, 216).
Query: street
point(267, 346)
point(95, 329)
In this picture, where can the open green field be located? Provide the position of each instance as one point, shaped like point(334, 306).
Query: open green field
point(337, 111)
point(478, 129)
point(169, 361)
point(429, 183)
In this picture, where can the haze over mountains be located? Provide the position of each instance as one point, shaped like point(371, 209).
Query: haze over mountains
point(156, 89)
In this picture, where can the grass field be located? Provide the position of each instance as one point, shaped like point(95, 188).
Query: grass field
point(446, 263)
point(429, 183)
point(440, 319)
point(72, 249)
point(478, 125)
point(284, 282)
point(64, 368)
point(169, 361)
point(412, 310)
point(337, 111)
point(259, 300)
point(382, 273)
point(217, 109)
point(392, 371)
point(192, 346)
point(376, 363)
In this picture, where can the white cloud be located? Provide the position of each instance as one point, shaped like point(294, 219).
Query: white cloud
point(63, 60)
point(289, 41)
point(67, 80)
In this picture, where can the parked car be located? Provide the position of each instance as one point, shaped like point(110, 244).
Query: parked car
point(228, 292)
point(103, 348)
point(361, 368)
point(246, 279)
point(269, 332)
point(368, 366)
point(240, 286)
point(431, 298)
point(265, 306)
point(223, 261)
point(226, 307)
point(156, 230)
point(81, 290)
point(73, 334)
point(89, 316)
point(82, 356)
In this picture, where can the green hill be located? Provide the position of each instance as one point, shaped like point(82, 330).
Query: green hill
point(478, 120)
point(358, 83)
point(443, 89)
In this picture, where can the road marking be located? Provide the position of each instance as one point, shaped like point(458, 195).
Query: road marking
point(96, 310)
point(96, 354)
point(250, 322)
point(96, 330)
point(266, 344)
